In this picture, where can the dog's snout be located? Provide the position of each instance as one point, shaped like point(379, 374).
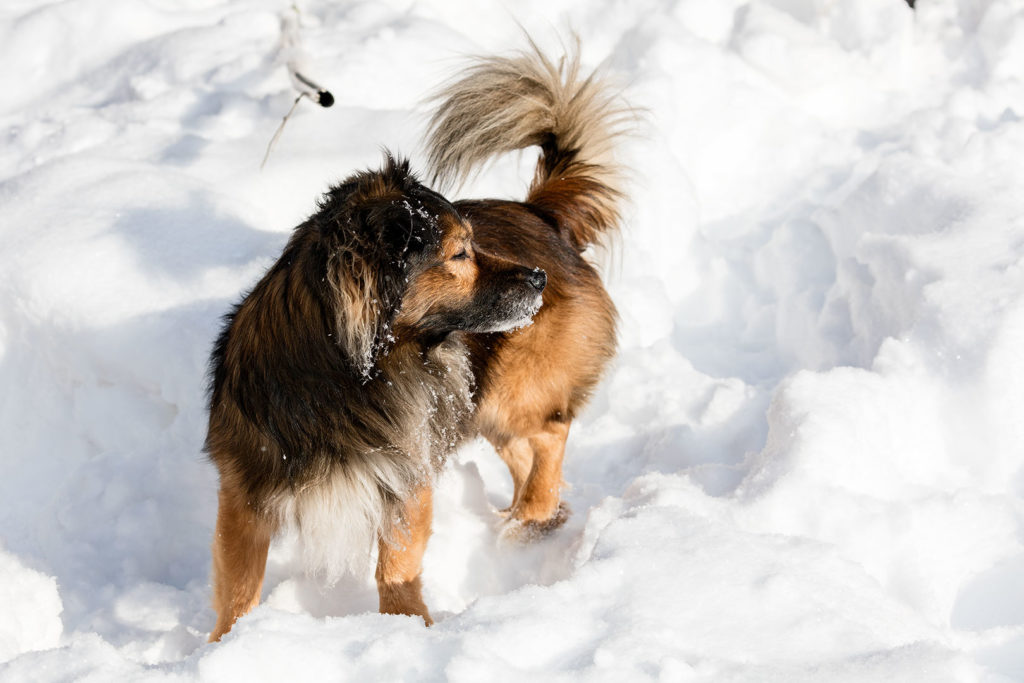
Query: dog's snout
point(538, 279)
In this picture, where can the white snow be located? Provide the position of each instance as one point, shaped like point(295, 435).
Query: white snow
point(806, 463)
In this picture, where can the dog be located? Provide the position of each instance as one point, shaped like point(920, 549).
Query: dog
point(396, 324)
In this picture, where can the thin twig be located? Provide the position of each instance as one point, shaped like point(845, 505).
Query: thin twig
point(280, 128)
point(291, 47)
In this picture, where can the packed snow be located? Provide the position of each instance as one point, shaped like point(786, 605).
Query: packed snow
point(806, 463)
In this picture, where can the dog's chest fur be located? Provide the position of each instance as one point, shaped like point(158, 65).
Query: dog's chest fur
point(423, 408)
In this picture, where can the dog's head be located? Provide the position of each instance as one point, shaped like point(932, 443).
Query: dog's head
point(402, 264)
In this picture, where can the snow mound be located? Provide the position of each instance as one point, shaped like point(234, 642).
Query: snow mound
point(32, 609)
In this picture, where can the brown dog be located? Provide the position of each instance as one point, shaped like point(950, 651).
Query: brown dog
point(341, 383)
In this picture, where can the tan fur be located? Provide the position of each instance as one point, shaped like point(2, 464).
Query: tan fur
point(534, 382)
point(400, 558)
point(539, 380)
point(240, 545)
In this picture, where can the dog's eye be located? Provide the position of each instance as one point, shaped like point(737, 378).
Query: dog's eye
point(460, 256)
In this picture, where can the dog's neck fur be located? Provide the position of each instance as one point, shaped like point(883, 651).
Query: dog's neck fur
point(428, 417)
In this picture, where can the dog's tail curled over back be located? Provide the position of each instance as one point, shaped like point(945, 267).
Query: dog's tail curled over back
point(503, 104)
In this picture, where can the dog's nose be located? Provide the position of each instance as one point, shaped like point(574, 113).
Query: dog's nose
point(538, 278)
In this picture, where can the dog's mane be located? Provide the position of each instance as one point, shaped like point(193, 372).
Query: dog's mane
point(308, 358)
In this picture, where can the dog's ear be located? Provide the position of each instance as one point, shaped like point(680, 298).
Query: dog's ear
point(368, 281)
point(360, 316)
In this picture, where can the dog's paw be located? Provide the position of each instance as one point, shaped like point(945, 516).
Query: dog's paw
point(404, 597)
point(518, 531)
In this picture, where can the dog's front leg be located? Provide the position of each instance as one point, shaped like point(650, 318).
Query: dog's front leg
point(400, 560)
point(240, 545)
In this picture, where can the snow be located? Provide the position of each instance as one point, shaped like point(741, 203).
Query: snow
point(805, 464)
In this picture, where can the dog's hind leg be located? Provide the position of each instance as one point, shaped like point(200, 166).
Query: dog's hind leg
point(536, 506)
point(518, 456)
point(400, 560)
point(240, 546)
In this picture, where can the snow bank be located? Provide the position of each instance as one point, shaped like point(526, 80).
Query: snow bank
point(32, 609)
point(805, 463)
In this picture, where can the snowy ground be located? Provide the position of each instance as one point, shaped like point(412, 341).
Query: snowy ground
point(807, 462)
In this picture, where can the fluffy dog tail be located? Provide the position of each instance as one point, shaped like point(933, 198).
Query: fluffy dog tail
point(507, 103)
